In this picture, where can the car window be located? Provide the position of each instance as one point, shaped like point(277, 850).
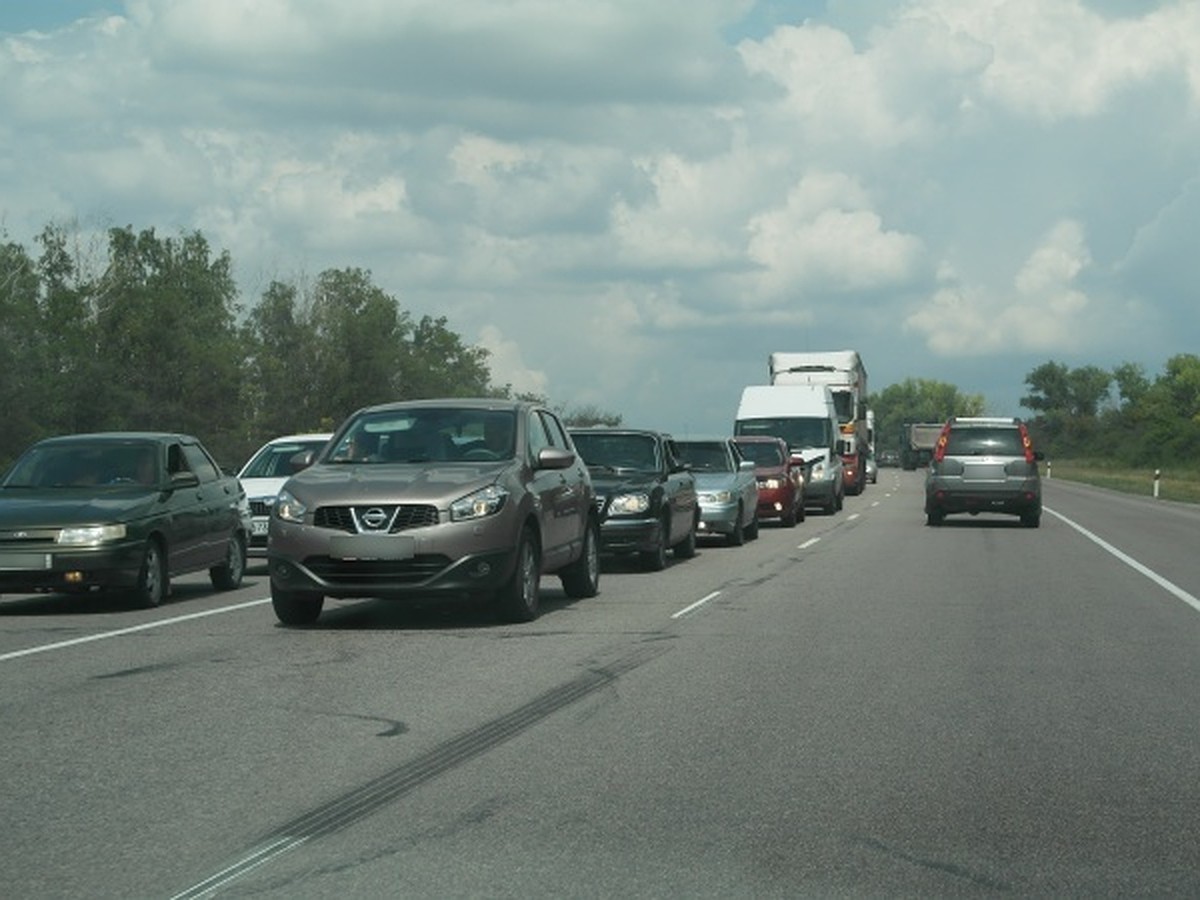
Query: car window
point(762, 454)
point(274, 460)
point(538, 439)
point(984, 441)
point(618, 450)
point(199, 462)
point(709, 456)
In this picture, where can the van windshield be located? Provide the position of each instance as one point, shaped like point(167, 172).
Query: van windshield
point(797, 432)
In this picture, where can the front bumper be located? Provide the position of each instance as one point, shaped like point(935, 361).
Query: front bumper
point(718, 518)
point(630, 535)
point(471, 556)
point(71, 569)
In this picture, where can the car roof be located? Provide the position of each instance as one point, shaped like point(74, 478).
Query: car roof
point(288, 438)
point(160, 436)
point(453, 403)
point(983, 420)
point(614, 429)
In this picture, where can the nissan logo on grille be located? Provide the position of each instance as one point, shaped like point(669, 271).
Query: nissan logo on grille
point(373, 519)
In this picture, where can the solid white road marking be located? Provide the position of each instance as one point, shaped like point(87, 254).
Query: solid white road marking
point(809, 543)
point(696, 605)
point(175, 620)
point(1168, 586)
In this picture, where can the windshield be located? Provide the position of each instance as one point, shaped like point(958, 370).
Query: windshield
point(428, 434)
point(762, 453)
point(274, 460)
point(617, 451)
point(797, 433)
point(86, 464)
point(706, 456)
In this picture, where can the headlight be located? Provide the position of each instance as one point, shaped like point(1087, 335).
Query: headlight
point(289, 508)
point(717, 497)
point(818, 471)
point(772, 484)
point(629, 504)
point(485, 502)
point(90, 534)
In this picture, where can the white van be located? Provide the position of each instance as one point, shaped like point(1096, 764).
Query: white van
point(804, 416)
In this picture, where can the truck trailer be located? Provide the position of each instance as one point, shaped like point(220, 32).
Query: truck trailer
point(843, 372)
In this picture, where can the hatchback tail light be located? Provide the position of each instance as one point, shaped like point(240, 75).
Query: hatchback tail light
point(1027, 444)
point(939, 449)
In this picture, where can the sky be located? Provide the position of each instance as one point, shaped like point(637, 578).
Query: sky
point(631, 204)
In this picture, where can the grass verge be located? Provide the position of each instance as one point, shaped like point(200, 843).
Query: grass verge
point(1178, 484)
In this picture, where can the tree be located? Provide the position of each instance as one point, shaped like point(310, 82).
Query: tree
point(588, 415)
point(918, 400)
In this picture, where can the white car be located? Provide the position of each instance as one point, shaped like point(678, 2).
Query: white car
point(264, 475)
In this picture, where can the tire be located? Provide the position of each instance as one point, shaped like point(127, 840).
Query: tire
point(839, 501)
point(686, 548)
point(791, 517)
point(752, 529)
point(737, 537)
point(296, 607)
point(518, 599)
point(152, 584)
point(582, 577)
point(655, 559)
point(801, 510)
point(228, 575)
point(934, 518)
point(1031, 520)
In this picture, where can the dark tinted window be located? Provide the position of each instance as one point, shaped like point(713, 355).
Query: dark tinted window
point(616, 449)
point(984, 441)
point(762, 454)
point(707, 456)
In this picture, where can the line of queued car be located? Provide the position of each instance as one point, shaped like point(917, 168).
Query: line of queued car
point(478, 497)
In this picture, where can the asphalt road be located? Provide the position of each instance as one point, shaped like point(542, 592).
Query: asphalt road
point(861, 705)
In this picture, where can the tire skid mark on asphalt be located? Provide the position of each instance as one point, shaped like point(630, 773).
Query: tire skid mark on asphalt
point(361, 802)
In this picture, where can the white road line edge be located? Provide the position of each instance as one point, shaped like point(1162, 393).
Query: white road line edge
point(174, 620)
point(1168, 586)
point(696, 605)
point(809, 543)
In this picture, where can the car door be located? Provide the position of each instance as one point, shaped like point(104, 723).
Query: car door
point(560, 492)
point(681, 491)
point(218, 513)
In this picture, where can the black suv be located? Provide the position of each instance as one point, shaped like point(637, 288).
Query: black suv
point(646, 495)
point(984, 465)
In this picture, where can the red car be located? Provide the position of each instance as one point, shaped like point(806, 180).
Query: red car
point(780, 478)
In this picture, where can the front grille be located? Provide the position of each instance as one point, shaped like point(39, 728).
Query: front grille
point(396, 518)
point(377, 572)
point(260, 508)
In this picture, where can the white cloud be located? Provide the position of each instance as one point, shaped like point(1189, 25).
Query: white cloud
point(1043, 311)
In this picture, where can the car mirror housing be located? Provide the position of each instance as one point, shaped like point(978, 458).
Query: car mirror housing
point(555, 458)
point(184, 479)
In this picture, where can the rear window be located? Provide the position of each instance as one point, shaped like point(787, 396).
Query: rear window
point(984, 441)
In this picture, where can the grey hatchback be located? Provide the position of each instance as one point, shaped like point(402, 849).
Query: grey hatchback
point(435, 497)
point(984, 465)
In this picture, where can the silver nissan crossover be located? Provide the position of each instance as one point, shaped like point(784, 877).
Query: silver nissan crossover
point(435, 497)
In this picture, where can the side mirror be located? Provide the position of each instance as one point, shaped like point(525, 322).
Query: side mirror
point(184, 479)
point(302, 460)
point(746, 465)
point(555, 458)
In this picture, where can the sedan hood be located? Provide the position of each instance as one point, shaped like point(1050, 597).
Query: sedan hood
point(436, 483)
point(44, 508)
point(715, 481)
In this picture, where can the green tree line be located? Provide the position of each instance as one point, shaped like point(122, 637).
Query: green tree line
point(1120, 415)
point(154, 338)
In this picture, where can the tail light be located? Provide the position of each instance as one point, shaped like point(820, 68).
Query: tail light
point(939, 449)
point(1026, 444)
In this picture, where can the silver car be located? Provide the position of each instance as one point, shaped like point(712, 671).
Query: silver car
point(984, 465)
point(436, 497)
point(726, 486)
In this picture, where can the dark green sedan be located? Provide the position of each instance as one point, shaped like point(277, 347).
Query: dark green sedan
point(119, 511)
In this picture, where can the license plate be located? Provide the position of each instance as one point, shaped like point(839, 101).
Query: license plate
point(258, 527)
point(372, 546)
point(23, 562)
